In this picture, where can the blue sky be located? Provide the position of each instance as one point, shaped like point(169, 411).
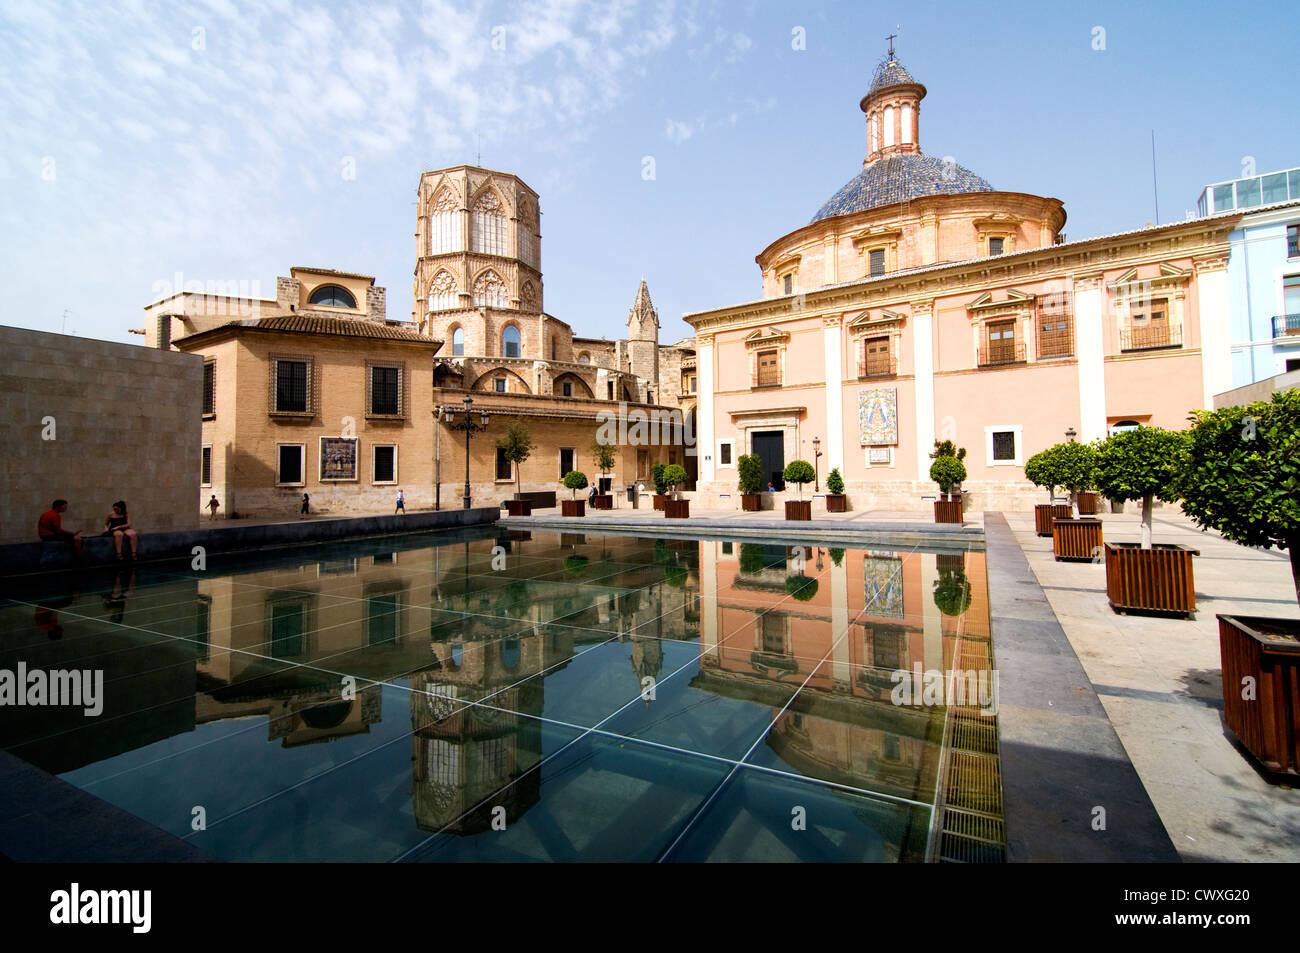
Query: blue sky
point(211, 138)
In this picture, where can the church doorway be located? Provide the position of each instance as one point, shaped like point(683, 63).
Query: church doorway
point(770, 447)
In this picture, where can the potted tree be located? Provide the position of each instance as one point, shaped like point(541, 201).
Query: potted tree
point(575, 480)
point(674, 475)
point(661, 487)
point(835, 499)
point(801, 587)
point(1074, 467)
point(798, 472)
point(604, 456)
point(948, 471)
point(517, 445)
point(1242, 478)
point(749, 473)
point(952, 592)
point(1142, 464)
point(1040, 470)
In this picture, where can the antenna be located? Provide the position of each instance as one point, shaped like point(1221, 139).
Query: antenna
point(1155, 193)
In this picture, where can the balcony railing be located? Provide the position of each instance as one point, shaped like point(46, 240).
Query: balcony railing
point(1056, 343)
point(1150, 338)
point(1286, 325)
point(877, 365)
point(1010, 352)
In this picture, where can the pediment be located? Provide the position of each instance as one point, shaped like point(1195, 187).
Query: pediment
point(881, 316)
point(760, 336)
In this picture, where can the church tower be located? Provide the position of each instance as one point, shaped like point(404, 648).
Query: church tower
point(643, 338)
point(893, 109)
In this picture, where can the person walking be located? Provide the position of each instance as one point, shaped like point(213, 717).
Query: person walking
point(212, 507)
point(306, 506)
point(401, 503)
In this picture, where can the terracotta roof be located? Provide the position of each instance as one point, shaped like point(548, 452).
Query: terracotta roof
point(303, 324)
point(334, 272)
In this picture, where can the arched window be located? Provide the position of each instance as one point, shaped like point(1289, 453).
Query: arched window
point(528, 297)
point(458, 342)
point(510, 342)
point(1124, 425)
point(457, 654)
point(907, 122)
point(444, 224)
point(332, 296)
point(874, 125)
point(490, 291)
point(527, 235)
point(511, 651)
point(488, 225)
point(442, 292)
point(889, 125)
point(584, 358)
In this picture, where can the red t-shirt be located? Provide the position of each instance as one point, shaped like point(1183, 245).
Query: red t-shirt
point(50, 524)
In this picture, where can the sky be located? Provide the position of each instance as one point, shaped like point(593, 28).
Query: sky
point(145, 144)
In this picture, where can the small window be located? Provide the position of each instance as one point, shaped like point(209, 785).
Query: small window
point(499, 385)
point(332, 296)
point(769, 371)
point(164, 332)
point(609, 388)
point(728, 548)
point(209, 389)
point(1247, 193)
point(1004, 445)
point(693, 385)
point(876, 258)
point(787, 283)
point(554, 348)
point(205, 467)
point(290, 464)
point(385, 464)
point(1223, 198)
point(385, 391)
point(510, 342)
point(458, 342)
point(566, 461)
point(504, 471)
point(1293, 241)
point(568, 389)
point(1275, 188)
point(1292, 364)
point(724, 454)
point(291, 387)
point(995, 246)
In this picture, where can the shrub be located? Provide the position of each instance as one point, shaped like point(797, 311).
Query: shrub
point(834, 482)
point(752, 559)
point(1242, 474)
point(947, 449)
point(675, 576)
point(801, 587)
point(947, 471)
point(575, 564)
point(603, 455)
point(1040, 471)
point(575, 480)
point(1141, 464)
point(517, 446)
point(837, 556)
point(657, 475)
point(674, 476)
point(749, 471)
point(1071, 465)
point(798, 472)
point(952, 593)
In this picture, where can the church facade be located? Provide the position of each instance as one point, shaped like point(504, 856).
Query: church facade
point(923, 304)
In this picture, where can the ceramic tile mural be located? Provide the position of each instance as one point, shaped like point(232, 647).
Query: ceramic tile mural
point(883, 579)
point(878, 416)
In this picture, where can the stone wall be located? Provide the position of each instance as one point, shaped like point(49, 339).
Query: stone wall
point(125, 425)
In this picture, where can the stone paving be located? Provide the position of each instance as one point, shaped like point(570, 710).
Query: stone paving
point(1159, 681)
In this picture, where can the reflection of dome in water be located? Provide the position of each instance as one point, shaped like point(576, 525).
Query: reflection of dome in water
point(323, 717)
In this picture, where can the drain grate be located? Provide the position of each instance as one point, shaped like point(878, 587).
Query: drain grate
point(973, 782)
point(978, 733)
point(971, 838)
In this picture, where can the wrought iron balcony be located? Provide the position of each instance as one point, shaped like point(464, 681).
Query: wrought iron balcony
point(1286, 325)
point(1150, 338)
point(1003, 352)
point(877, 365)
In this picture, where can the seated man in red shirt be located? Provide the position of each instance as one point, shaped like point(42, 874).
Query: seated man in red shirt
point(50, 527)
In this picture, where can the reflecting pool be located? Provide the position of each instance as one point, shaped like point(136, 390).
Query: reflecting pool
point(495, 695)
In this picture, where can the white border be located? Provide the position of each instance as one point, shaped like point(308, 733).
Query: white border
point(394, 481)
point(988, 445)
point(302, 451)
point(731, 442)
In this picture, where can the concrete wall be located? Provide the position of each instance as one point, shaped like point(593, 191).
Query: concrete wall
point(1260, 390)
point(125, 426)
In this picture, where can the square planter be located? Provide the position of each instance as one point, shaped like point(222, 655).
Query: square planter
point(602, 502)
point(573, 539)
point(947, 511)
point(659, 500)
point(677, 509)
point(798, 509)
point(1087, 504)
point(1268, 651)
point(751, 502)
point(519, 508)
point(1076, 539)
point(950, 562)
point(1158, 579)
point(573, 507)
point(836, 503)
point(1044, 514)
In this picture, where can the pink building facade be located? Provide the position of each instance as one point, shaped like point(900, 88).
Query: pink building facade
point(921, 304)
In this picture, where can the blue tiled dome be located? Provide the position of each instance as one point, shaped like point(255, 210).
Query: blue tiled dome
point(897, 179)
point(890, 73)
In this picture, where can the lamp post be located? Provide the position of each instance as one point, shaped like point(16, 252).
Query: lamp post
point(817, 452)
point(1070, 435)
point(465, 421)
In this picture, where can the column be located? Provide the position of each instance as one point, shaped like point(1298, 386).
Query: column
point(841, 672)
point(833, 337)
point(1216, 338)
point(1090, 335)
point(704, 429)
point(932, 618)
point(709, 599)
point(923, 360)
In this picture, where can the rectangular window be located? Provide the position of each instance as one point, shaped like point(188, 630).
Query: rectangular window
point(1001, 343)
point(383, 619)
point(386, 391)
point(728, 548)
point(876, 359)
point(1223, 198)
point(995, 246)
point(1293, 241)
point(290, 387)
point(503, 465)
point(1275, 188)
point(164, 332)
point(499, 385)
point(287, 622)
point(876, 260)
point(1004, 445)
point(566, 461)
point(769, 371)
point(694, 383)
point(609, 387)
point(1247, 193)
point(205, 467)
point(1293, 364)
point(209, 388)
point(568, 389)
point(787, 283)
point(724, 453)
point(289, 464)
point(385, 469)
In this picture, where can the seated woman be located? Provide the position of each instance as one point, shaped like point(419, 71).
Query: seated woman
point(118, 525)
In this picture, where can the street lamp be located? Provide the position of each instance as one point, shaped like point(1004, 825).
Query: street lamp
point(1070, 435)
point(817, 443)
point(465, 421)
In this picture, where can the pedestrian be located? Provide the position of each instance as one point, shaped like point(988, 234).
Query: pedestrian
point(118, 525)
point(401, 503)
point(306, 506)
point(50, 527)
point(212, 507)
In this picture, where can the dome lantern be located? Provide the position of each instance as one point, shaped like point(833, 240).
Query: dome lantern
point(892, 107)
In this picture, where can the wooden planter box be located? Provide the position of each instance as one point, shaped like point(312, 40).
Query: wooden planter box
point(1087, 504)
point(950, 562)
point(751, 502)
point(798, 509)
point(677, 509)
point(1267, 650)
point(1044, 514)
point(1158, 579)
point(837, 503)
point(519, 508)
point(602, 502)
point(947, 511)
point(573, 539)
point(573, 507)
point(1076, 539)
point(659, 500)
